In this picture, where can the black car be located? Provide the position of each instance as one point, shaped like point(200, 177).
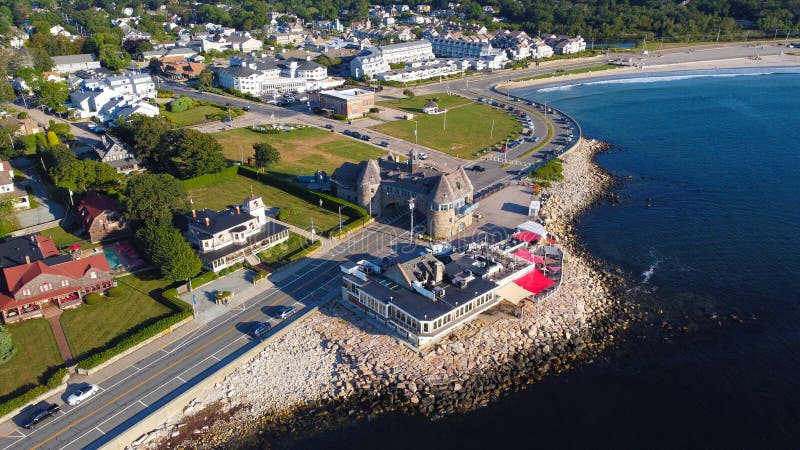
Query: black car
point(40, 415)
point(364, 137)
point(329, 126)
point(246, 108)
point(478, 168)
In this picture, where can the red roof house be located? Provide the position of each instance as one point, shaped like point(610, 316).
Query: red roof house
point(102, 218)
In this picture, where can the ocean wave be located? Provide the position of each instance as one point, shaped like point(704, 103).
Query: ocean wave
point(656, 79)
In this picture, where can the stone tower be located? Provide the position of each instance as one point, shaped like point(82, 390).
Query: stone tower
point(368, 185)
point(254, 206)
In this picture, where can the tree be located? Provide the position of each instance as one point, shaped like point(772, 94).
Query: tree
point(154, 198)
point(180, 104)
point(167, 249)
point(112, 57)
point(408, 93)
point(53, 93)
point(199, 153)
point(7, 149)
point(266, 154)
point(42, 61)
point(7, 349)
point(87, 175)
point(52, 139)
point(206, 79)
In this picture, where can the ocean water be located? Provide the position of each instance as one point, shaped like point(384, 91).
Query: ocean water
point(713, 261)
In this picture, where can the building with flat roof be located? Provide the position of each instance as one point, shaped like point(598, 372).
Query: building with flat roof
point(74, 63)
point(351, 103)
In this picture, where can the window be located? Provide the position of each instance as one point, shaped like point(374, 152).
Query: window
point(26, 292)
point(64, 282)
point(93, 275)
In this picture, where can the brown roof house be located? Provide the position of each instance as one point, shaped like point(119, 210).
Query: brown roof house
point(21, 127)
point(102, 218)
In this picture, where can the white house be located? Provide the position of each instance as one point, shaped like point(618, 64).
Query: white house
point(74, 63)
point(224, 238)
point(7, 187)
point(260, 76)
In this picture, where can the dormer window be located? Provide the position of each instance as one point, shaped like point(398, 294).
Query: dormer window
point(26, 292)
point(92, 275)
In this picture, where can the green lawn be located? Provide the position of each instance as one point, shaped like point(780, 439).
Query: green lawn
point(95, 326)
point(223, 192)
point(274, 255)
point(195, 115)
point(558, 73)
point(468, 128)
point(64, 238)
point(417, 103)
point(303, 151)
point(37, 353)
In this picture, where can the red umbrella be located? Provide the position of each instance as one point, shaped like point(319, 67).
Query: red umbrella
point(75, 247)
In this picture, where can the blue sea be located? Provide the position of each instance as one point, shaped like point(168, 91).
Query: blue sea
point(714, 262)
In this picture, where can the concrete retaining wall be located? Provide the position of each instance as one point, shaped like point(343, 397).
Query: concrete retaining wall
point(35, 228)
point(156, 418)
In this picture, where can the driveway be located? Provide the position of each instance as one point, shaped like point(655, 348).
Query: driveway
point(48, 209)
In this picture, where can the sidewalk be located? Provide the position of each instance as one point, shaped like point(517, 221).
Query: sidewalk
point(53, 315)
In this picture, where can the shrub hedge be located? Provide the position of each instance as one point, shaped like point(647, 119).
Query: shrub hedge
point(331, 203)
point(26, 397)
point(116, 291)
point(93, 298)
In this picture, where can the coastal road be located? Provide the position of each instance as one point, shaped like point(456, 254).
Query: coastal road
point(157, 377)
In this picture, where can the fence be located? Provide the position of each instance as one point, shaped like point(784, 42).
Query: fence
point(35, 228)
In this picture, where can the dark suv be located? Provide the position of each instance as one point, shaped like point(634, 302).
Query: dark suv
point(260, 330)
point(40, 415)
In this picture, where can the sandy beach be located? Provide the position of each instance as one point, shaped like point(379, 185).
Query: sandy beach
point(674, 62)
point(338, 366)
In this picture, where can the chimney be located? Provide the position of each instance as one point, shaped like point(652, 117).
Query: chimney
point(412, 162)
point(238, 211)
point(438, 272)
point(208, 222)
point(194, 214)
point(27, 259)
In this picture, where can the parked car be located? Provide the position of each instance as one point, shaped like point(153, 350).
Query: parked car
point(40, 415)
point(260, 329)
point(364, 137)
point(477, 168)
point(286, 311)
point(421, 155)
point(329, 126)
point(226, 119)
point(82, 394)
point(384, 144)
point(246, 107)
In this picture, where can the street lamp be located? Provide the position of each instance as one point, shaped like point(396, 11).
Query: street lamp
point(416, 138)
point(411, 208)
point(340, 221)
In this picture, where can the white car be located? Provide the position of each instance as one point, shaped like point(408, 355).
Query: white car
point(422, 156)
point(82, 394)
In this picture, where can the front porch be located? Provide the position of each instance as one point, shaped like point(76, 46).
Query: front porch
point(20, 313)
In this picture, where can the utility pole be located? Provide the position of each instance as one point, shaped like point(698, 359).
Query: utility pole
point(444, 124)
point(491, 132)
point(340, 221)
point(416, 136)
point(718, 31)
point(411, 207)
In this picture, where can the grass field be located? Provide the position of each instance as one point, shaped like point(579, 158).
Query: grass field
point(570, 72)
point(94, 326)
point(191, 116)
point(303, 151)
point(274, 255)
point(64, 238)
point(468, 126)
point(222, 193)
point(36, 353)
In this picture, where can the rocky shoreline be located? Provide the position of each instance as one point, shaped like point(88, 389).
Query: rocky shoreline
point(339, 367)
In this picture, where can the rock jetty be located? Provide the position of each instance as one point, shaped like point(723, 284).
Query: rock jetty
point(338, 366)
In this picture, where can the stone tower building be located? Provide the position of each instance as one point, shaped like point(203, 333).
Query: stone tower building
point(444, 198)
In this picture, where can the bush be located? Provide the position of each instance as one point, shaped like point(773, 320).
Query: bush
point(374, 110)
point(219, 295)
point(408, 93)
point(93, 298)
point(181, 104)
point(7, 349)
point(115, 291)
point(165, 93)
point(550, 171)
point(261, 274)
point(339, 117)
point(25, 398)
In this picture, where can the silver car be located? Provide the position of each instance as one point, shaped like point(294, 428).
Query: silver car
point(82, 394)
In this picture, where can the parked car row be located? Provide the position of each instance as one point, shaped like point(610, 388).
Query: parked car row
point(46, 411)
point(357, 135)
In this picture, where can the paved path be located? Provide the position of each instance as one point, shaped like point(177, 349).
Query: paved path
point(53, 315)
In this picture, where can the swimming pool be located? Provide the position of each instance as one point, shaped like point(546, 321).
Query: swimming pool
point(113, 259)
